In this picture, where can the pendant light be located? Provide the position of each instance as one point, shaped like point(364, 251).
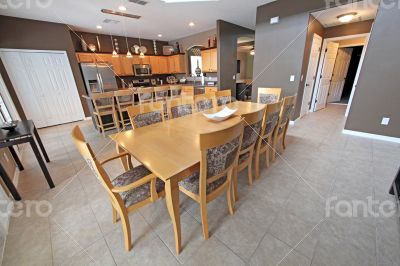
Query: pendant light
point(114, 53)
point(128, 54)
point(141, 55)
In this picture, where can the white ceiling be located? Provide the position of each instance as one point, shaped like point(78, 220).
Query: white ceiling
point(170, 20)
point(365, 10)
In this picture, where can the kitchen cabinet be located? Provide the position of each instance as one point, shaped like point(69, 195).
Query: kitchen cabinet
point(103, 58)
point(85, 58)
point(126, 65)
point(163, 64)
point(155, 66)
point(176, 64)
point(117, 66)
point(209, 59)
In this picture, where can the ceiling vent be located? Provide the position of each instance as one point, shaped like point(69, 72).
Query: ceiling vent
point(111, 21)
point(122, 14)
point(139, 2)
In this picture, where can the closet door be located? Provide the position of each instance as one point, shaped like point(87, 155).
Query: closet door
point(44, 85)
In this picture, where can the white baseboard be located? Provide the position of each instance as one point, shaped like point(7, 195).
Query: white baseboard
point(370, 136)
point(88, 118)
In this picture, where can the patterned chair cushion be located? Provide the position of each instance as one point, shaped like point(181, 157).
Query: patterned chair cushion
point(272, 120)
point(250, 135)
point(145, 96)
point(192, 183)
point(147, 119)
point(103, 101)
point(125, 98)
point(140, 193)
point(204, 105)
point(223, 100)
point(287, 112)
point(181, 110)
point(162, 95)
point(176, 92)
point(243, 157)
point(267, 98)
point(221, 157)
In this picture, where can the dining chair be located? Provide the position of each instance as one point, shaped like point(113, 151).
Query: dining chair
point(223, 97)
point(176, 91)
point(179, 107)
point(161, 93)
point(128, 192)
point(104, 106)
point(251, 132)
point(283, 123)
point(219, 154)
point(210, 90)
point(145, 95)
point(124, 99)
point(268, 129)
point(204, 102)
point(268, 95)
point(188, 91)
point(146, 114)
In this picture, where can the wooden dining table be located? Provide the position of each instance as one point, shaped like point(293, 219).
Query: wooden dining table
point(170, 150)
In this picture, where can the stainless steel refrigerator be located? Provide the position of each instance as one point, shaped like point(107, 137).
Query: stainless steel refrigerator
point(99, 77)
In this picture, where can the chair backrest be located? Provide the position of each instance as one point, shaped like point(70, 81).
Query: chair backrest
point(187, 91)
point(286, 111)
point(271, 119)
point(268, 95)
point(210, 90)
point(146, 114)
point(204, 102)
point(253, 123)
point(181, 106)
point(124, 98)
point(103, 101)
point(145, 95)
point(161, 93)
point(219, 153)
point(176, 90)
point(223, 97)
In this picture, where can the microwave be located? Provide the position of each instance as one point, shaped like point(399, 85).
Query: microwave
point(142, 70)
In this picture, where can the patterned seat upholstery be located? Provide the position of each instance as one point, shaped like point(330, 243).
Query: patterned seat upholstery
point(162, 95)
point(181, 110)
point(204, 105)
point(140, 193)
point(218, 160)
point(251, 134)
point(266, 98)
point(146, 96)
point(272, 120)
point(243, 157)
point(287, 112)
point(104, 109)
point(125, 99)
point(147, 119)
point(223, 100)
point(176, 92)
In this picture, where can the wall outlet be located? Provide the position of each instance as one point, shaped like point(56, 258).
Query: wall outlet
point(385, 121)
point(292, 77)
point(274, 20)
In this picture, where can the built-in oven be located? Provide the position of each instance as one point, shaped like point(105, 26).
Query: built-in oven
point(142, 70)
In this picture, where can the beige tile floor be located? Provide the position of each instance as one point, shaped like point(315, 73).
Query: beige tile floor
point(281, 219)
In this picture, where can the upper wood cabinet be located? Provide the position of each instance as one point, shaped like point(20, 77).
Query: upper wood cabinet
point(127, 65)
point(85, 58)
point(209, 59)
point(163, 64)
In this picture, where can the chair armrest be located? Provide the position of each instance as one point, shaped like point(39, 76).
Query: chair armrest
point(114, 157)
point(133, 185)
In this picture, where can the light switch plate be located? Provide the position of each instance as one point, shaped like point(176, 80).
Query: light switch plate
point(274, 20)
point(385, 121)
point(292, 77)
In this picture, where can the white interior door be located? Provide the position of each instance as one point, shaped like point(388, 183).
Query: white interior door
point(45, 86)
point(311, 74)
point(329, 58)
point(339, 74)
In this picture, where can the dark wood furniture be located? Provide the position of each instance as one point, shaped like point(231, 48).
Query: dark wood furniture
point(24, 132)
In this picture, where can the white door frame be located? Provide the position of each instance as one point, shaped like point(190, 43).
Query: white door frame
point(320, 66)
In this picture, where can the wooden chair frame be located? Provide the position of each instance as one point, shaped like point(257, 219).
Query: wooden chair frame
point(207, 141)
point(117, 204)
point(121, 106)
point(184, 100)
point(260, 148)
point(99, 112)
point(175, 88)
point(187, 91)
point(143, 109)
point(223, 93)
point(210, 90)
point(274, 91)
point(141, 91)
point(200, 97)
point(249, 119)
point(280, 135)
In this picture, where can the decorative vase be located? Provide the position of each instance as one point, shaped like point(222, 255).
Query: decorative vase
point(83, 44)
point(197, 70)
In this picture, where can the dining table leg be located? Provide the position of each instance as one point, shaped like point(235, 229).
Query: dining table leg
point(172, 200)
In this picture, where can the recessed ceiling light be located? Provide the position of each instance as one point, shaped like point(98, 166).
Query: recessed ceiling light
point(191, 24)
point(99, 27)
point(159, 35)
point(122, 8)
point(347, 17)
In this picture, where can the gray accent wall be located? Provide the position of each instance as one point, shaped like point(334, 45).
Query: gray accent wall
point(378, 90)
point(227, 35)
